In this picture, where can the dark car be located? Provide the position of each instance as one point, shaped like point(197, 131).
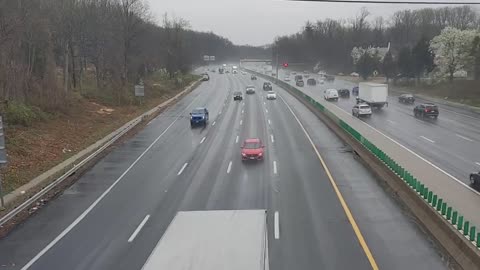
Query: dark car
point(267, 86)
point(237, 95)
point(475, 178)
point(343, 92)
point(355, 91)
point(299, 83)
point(199, 116)
point(298, 77)
point(406, 98)
point(253, 77)
point(426, 110)
point(311, 81)
point(329, 78)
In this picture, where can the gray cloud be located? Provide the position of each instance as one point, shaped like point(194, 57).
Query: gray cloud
point(258, 22)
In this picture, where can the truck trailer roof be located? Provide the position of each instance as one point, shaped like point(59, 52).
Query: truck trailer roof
point(213, 240)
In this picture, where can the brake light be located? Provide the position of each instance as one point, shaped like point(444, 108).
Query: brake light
point(426, 110)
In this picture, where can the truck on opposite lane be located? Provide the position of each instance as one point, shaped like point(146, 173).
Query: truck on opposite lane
point(373, 94)
point(213, 240)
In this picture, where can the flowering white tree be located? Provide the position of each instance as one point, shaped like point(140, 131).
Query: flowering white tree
point(452, 49)
point(375, 52)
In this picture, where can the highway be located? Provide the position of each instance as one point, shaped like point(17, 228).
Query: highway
point(331, 212)
point(452, 142)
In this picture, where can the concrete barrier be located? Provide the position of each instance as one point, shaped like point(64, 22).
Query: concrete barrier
point(446, 225)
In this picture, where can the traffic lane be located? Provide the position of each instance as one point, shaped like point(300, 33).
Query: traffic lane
point(431, 141)
point(87, 189)
point(315, 232)
point(375, 211)
point(189, 191)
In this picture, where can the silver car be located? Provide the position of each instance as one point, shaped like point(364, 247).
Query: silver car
point(361, 109)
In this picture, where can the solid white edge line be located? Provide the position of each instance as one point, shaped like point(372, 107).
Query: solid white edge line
point(427, 139)
point(90, 208)
point(134, 234)
point(415, 154)
point(478, 163)
point(275, 167)
point(276, 227)
point(271, 137)
point(465, 138)
point(203, 139)
point(183, 168)
point(229, 167)
point(214, 122)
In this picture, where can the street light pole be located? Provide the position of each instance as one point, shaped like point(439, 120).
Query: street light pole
point(276, 73)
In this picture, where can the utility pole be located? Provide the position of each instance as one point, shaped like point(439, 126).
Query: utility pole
point(276, 62)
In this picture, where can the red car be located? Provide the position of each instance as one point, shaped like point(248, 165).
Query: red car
point(252, 149)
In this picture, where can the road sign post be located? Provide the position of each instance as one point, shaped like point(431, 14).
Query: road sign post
point(140, 91)
point(3, 159)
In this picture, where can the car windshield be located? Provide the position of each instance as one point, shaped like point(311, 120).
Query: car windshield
point(431, 107)
point(270, 92)
point(198, 111)
point(252, 145)
point(364, 107)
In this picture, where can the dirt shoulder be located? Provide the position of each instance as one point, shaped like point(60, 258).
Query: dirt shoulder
point(34, 149)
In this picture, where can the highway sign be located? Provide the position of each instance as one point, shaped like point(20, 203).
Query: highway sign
point(212, 58)
point(206, 58)
point(139, 90)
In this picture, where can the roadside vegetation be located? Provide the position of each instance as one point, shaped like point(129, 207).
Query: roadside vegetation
point(430, 51)
point(68, 70)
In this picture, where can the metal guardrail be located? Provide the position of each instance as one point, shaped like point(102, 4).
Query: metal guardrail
point(119, 133)
point(59, 180)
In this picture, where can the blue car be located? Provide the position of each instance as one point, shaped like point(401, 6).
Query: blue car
point(199, 116)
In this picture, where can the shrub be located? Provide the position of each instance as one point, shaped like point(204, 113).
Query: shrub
point(20, 114)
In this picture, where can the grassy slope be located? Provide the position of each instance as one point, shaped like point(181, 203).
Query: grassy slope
point(36, 148)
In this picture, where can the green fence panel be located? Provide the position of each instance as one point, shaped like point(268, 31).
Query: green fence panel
point(444, 208)
point(466, 227)
point(439, 204)
point(478, 240)
point(425, 193)
point(449, 213)
point(472, 233)
point(460, 222)
point(429, 198)
point(454, 217)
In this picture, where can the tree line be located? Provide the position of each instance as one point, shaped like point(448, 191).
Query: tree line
point(48, 48)
point(414, 36)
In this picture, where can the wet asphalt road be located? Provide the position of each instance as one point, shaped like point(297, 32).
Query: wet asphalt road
point(452, 142)
point(168, 167)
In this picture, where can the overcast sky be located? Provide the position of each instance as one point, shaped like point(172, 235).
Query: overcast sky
point(258, 22)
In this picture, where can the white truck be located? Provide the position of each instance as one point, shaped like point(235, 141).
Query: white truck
point(374, 94)
point(213, 240)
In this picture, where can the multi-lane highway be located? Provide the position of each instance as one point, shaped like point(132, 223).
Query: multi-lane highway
point(452, 142)
point(331, 213)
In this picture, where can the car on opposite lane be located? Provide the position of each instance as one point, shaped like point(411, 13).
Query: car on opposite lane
point(199, 116)
point(271, 95)
point(406, 98)
point(252, 149)
point(330, 94)
point(426, 110)
point(299, 83)
point(253, 77)
point(298, 77)
point(361, 110)
point(286, 78)
point(311, 81)
point(344, 93)
point(267, 86)
point(237, 95)
point(250, 90)
point(475, 178)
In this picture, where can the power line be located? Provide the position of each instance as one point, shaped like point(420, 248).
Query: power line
point(394, 2)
